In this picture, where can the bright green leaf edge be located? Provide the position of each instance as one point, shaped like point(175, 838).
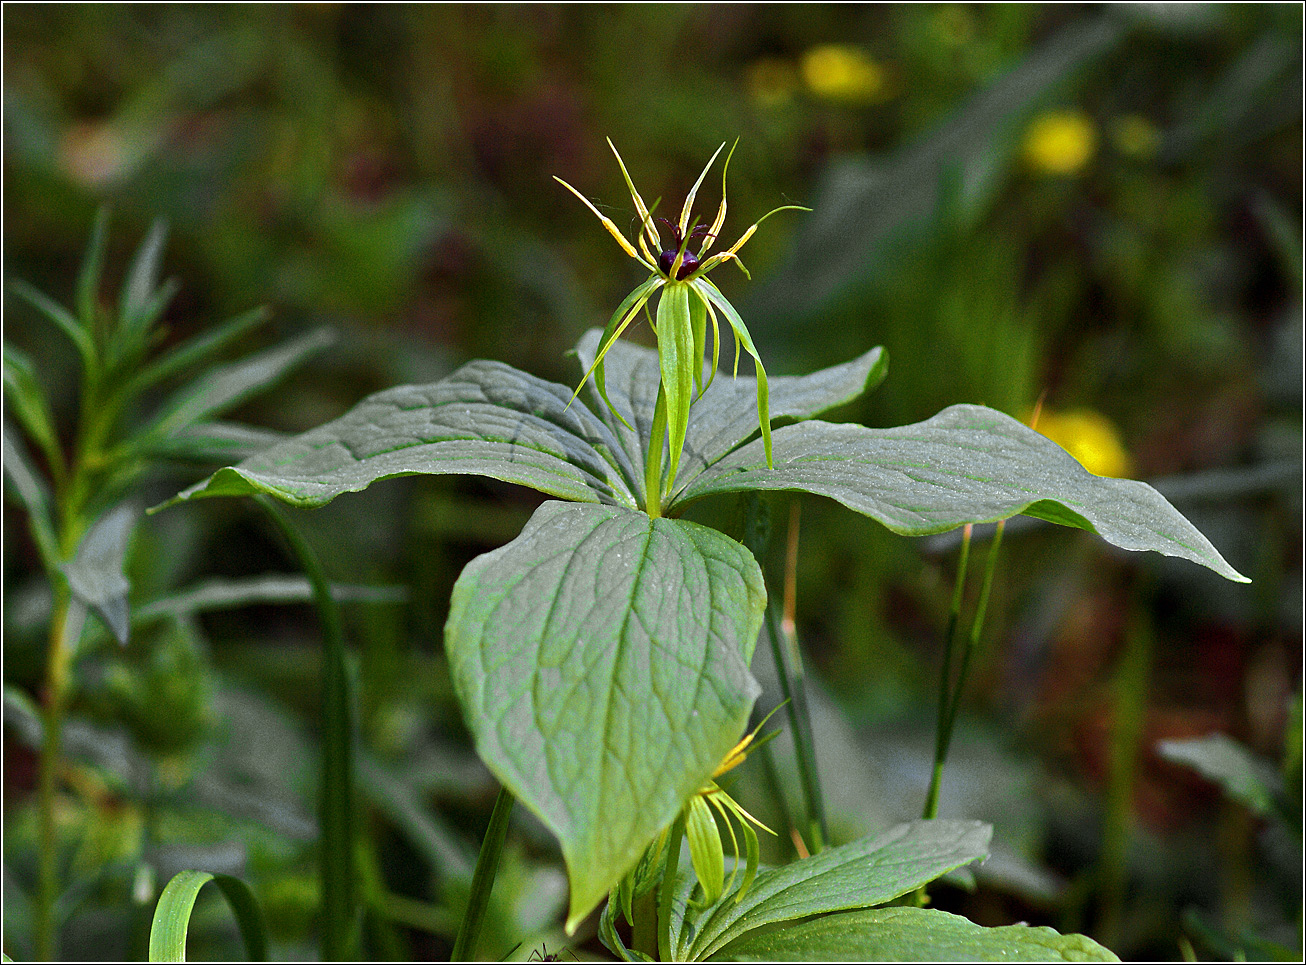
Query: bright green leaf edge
point(593, 692)
point(968, 464)
point(907, 934)
point(172, 915)
point(871, 870)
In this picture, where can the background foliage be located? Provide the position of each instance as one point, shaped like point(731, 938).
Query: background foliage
point(1099, 208)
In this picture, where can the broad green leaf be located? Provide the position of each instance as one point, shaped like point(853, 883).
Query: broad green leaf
point(25, 395)
point(726, 415)
point(172, 915)
point(224, 387)
point(601, 660)
point(95, 574)
point(968, 464)
point(486, 419)
point(911, 935)
point(1217, 757)
point(863, 873)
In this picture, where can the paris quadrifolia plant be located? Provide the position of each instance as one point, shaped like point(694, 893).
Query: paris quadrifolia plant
point(602, 658)
point(687, 301)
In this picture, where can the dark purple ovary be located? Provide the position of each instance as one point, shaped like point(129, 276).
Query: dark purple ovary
point(687, 264)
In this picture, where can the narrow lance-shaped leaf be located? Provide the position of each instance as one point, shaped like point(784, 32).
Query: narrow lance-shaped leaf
point(196, 350)
point(138, 289)
point(62, 318)
point(710, 292)
point(968, 464)
point(224, 387)
point(601, 660)
point(678, 362)
point(29, 402)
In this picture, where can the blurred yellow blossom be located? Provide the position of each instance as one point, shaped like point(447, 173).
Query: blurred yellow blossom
point(1060, 142)
point(771, 81)
point(841, 73)
point(1135, 136)
point(1089, 436)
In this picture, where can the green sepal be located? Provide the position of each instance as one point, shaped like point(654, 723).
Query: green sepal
point(698, 319)
point(705, 850)
point(710, 292)
point(629, 308)
point(675, 349)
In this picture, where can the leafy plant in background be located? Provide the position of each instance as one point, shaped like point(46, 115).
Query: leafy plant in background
point(602, 657)
point(83, 498)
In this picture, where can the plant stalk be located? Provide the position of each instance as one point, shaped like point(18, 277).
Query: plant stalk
point(788, 666)
point(931, 809)
point(340, 920)
point(487, 865)
point(65, 630)
point(667, 888)
point(653, 463)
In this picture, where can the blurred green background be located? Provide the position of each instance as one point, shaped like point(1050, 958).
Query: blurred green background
point(1098, 208)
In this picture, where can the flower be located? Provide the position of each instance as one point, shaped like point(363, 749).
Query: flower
point(1060, 142)
point(841, 73)
point(706, 850)
point(687, 301)
point(1090, 437)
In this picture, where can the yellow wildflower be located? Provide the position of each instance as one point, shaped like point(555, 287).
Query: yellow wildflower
point(841, 73)
point(1090, 437)
point(1060, 142)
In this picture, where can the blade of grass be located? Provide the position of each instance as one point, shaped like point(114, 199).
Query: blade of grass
point(340, 925)
point(172, 915)
point(487, 864)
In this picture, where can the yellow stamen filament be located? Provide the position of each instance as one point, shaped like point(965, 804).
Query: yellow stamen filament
point(607, 223)
point(693, 192)
point(639, 202)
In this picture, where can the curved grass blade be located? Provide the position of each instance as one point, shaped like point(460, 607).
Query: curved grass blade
point(172, 915)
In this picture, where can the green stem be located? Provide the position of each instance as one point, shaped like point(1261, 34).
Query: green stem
point(644, 929)
point(65, 629)
point(653, 464)
point(340, 922)
point(788, 667)
point(931, 810)
point(487, 864)
point(1126, 744)
point(789, 664)
point(667, 888)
